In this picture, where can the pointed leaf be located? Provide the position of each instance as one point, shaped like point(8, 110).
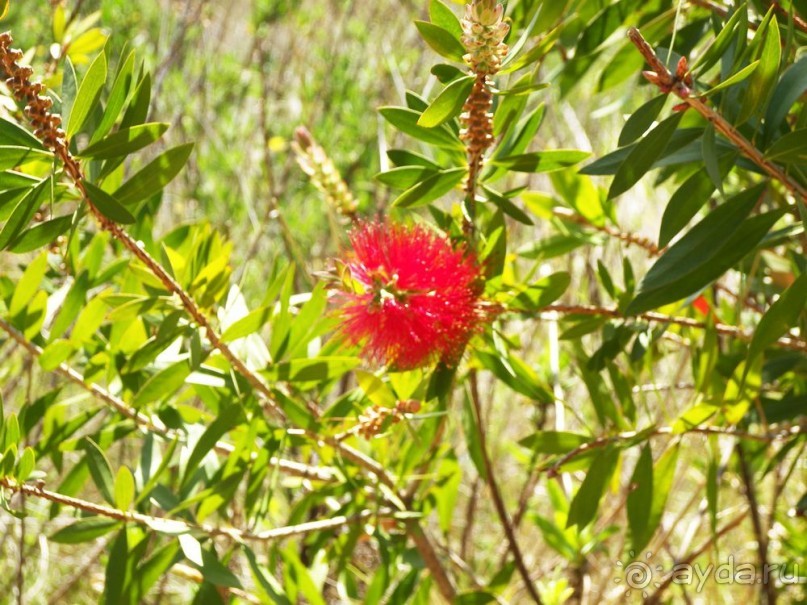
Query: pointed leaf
point(587, 499)
point(108, 205)
point(779, 318)
point(125, 141)
point(88, 94)
point(642, 157)
point(441, 40)
point(448, 103)
point(155, 176)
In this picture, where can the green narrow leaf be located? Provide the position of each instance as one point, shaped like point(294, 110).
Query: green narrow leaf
point(641, 119)
point(732, 80)
point(248, 324)
point(224, 422)
point(760, 86)
point(138, 108)
point(88, 94)
point(117, 97)
point(640, 499)
point(543, 292)
point(697, 273)
point(779, 318)
point(642, 157)
point(124, 488)
point(430, 189)
point(125, 141)
point(503, 203)
point(663, 475)
point(713, 491)
point(684, 204)
point(163, 384)
point(703, 242)
point(587, 499)
point(216, 573)
point(315, 369)
point(553, 442)
point(69, 89)
point(107, 204)
point(405, 120)
point(84, 530)
point(791, 86)
point(265, 582)
point(90, 318)
point(26, 465)
point(722, 40)
point(404, 177)
point(14, 156)
point(71, 305)
point(469, 428)
point(442, 16)
point(149, 572)
point(100, 469)
point(28, 284)
point(117, 569)
point(14, 134)
point(41, 235)
point(155, 176)
point(441, 40)
point(711, 158)
point(789, 149)
point(23, 213)
point(55, 353)
point(375, 389)
point(448, 103)
point(542, 161)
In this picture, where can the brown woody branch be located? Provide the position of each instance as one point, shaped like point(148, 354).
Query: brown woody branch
point(667, 82)
point(601, 442)
point(175, 525)
point(496, 493)
point(787, 342)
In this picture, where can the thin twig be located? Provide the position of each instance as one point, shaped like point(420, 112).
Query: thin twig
point(65, 586)
point(628, 238)
point(175, 525)
point(600, 442)
point(427, 552)
point(495, 493)
point(655, 598)
point(769, 588)
point(787, 342)
point(797, 20)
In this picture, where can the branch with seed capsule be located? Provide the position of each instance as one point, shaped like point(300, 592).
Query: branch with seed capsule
point(483, 36)
point(681, 85)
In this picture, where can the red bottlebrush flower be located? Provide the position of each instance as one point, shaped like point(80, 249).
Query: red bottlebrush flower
point(413, 298)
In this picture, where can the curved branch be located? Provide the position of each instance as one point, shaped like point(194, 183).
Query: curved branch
point(175, 525)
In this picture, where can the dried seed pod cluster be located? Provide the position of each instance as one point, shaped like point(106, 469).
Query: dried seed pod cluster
point(37, 105)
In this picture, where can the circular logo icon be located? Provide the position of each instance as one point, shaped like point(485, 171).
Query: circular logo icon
point(637, 575)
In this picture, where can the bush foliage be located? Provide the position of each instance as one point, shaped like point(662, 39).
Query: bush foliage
point(510, 338)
